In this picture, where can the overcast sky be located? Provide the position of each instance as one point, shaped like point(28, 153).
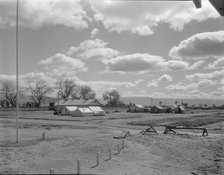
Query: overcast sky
point(156, 49)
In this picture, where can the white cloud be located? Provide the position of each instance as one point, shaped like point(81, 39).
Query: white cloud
point(191, 86)
point(177, 65)
point(61, 65)
point(94, 32)
point(163, 78)
point(126, 16)
point(218, 64)
point(215, 76)
point(135, 63)
point(37, 13)
point(93, 49)
point(200, 46)
point(143, 63)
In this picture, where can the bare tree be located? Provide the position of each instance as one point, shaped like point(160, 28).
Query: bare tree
point(86, 93)
point(112, 97)
point(38, 91)
point(66, 89)
point(9, 93)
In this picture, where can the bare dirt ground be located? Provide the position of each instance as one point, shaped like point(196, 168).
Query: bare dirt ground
point(68, 139)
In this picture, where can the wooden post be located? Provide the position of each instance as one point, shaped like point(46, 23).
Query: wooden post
point(51, 171)
point(97, 159)
point(118, 147)
point(43, 136)
point(110, 153)
point(78, 167)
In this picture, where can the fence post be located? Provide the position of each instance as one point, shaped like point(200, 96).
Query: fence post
point(97, 159)
point(118, 147)
point(43, 135)
point(110, 153)
point(122, 144)
point(78, 167)
point(51, 171)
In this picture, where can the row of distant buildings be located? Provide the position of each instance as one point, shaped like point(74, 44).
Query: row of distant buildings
point(93, 107)
point(158, 108)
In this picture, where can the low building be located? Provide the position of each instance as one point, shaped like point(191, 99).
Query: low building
point(136, 108)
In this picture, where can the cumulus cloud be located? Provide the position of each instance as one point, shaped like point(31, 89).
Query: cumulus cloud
point(215, 76)
point(142, 63)
point(123, 16)
point(200, 46)
point(218, 64)
point(135, 62)
point(37, 13)
point(62, 65)
point(93, 49)
point(94, 32)
point(191, 86)
point(163, 78)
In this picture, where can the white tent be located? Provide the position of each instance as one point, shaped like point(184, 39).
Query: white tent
point(97, 110)
point(68, 110)
point(82, 112)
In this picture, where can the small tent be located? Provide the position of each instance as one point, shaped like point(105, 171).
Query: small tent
point(68, 110)
point(97, 110)
point(157, 109)
point(82, 112)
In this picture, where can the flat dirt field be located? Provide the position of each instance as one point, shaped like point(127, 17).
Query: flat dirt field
point(68, 139)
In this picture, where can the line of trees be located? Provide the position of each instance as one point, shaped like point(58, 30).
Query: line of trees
point(38, 91)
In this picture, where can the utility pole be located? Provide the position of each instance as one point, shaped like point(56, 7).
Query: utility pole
point(17, 73)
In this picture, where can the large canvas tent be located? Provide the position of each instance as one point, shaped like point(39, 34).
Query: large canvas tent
point(97, 110)
point(82, 112)
point(68, 110)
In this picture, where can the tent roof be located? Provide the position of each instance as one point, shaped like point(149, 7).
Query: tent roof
point(71, 108)
point(90, 102)
point(139, 106)
point(84, 110)
point(218, 5)
point(159, 107)
point(96, 109)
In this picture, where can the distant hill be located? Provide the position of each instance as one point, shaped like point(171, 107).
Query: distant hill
point(147, 101)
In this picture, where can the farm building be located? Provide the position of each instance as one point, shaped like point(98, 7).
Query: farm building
point(97, 110)
point(136, 108)
point(82, 112)
point(157, 109)
point(68, 110)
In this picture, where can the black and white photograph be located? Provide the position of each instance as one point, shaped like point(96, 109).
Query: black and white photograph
point(112, 87)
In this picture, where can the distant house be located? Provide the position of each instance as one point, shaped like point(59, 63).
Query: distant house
point(82, 112)
point(157, 109)
point(136, 108)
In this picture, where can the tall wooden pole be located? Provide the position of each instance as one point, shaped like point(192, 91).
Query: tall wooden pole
point(17, 73)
